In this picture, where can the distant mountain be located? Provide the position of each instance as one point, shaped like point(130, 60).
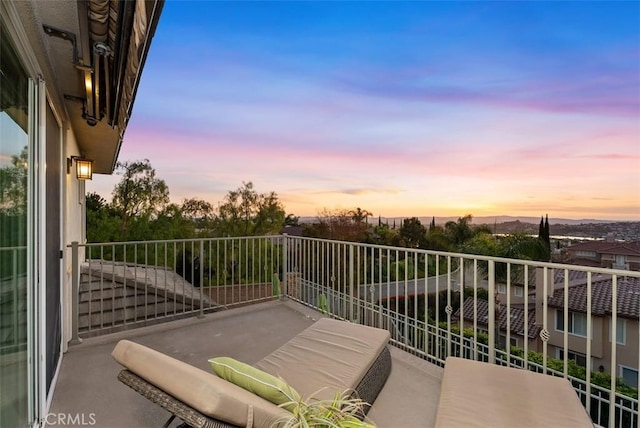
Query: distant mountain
point(534, 220)
point(480, 220)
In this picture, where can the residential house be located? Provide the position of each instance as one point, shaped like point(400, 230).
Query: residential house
point(627, 314)
point(599, 356)
point(69, 71)
point(607, 253)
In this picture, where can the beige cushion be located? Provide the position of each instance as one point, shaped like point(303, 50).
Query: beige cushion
point(476, 394)
point(203, 391)
point(330, 353)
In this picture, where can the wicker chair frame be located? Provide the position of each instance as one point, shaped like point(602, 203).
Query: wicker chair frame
point(367, 390)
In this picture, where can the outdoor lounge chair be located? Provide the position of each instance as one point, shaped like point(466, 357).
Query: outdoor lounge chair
point(476, 394)
point(328, 357)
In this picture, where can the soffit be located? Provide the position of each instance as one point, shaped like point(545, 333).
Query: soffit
point(125, 30)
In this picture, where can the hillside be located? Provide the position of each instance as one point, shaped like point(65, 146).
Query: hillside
point(585, 228)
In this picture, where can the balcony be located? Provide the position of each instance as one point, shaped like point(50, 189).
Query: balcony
point(88, 384)
point(244, 297)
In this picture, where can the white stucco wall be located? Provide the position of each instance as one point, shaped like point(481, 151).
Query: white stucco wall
point(73, 229)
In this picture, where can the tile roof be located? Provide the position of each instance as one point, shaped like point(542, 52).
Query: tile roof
point(517, 276)
point(574, 275)
point(517, 317)
point(628, 301)
point(577, 276)
point(623, 248)
point(627, 249)
point(581, 261)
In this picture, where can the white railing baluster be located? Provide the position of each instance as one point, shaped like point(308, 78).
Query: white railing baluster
point(589, 335)
point(565, 335)
point(492, 311)
point(507, 344)
point(448, 308)
point(545, 324)
point(285, 264)
point(526, 316)
point(614, 347)
point(475, 309)
point(75, 294)
point(351, 282)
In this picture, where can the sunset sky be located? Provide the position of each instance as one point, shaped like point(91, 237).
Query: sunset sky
point(400, 108)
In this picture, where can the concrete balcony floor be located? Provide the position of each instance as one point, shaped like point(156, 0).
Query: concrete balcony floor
point(87, 383)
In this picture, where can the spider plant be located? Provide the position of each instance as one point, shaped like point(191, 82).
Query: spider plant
point(343, 411)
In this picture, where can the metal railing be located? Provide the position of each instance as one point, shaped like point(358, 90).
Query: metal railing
point(129, 284)
point(434, 304)
point(438, 304)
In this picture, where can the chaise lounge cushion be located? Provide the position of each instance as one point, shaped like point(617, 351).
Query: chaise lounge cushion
point(203, 391)
point(477, 394)
point(328, 357)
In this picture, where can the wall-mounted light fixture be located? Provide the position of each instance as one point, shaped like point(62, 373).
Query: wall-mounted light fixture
point(84, 167)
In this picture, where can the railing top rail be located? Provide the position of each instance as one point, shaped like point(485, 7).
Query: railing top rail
point(532, 263)
point(168, 241)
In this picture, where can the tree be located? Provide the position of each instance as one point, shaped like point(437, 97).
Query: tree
point(360, 216)
point(102, 220)
point(524, 247)
point(171, 223)
point(412, 233)
point(343, 225)
point(541, 228)
point(139, 192)
point(482, 244)
point(244, 212)
point(547, 235)
point(291, 220)
point(543, 234)
point(13, 185)
point(383, 235)
point(200, 213)
point(436, 239)
point(459, 231)
point(13, 201)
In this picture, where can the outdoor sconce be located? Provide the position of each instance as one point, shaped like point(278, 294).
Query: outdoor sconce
point(84, 167)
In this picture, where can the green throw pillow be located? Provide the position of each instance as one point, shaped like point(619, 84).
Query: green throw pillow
point(254, 380)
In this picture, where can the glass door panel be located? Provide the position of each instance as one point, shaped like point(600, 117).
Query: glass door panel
point(14, 147)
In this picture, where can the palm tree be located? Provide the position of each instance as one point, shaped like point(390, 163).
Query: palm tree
point(359, 215)
point(459, 231)
point(524, 247)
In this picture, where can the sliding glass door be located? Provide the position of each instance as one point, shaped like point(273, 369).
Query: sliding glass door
point(14, 245)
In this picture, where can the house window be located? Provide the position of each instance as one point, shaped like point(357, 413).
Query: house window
point(518, 291)
point(502, 288)
point(582, 253)
point(579, 359)
point(512, 340)
point(577, 324)
point(629, 376)
point(621, 331)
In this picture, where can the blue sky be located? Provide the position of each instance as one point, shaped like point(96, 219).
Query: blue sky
point(400, 108)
